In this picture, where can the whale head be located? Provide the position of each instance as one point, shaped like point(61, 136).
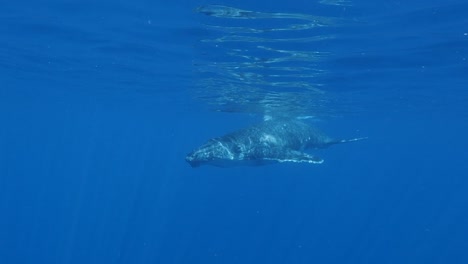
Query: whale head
point(213, 152)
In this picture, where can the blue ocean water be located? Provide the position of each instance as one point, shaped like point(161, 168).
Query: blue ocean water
point(101, 101)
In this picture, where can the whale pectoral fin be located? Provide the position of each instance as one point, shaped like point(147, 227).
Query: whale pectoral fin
point(296, 156)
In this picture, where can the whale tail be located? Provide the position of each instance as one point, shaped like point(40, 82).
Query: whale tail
point(339, 141)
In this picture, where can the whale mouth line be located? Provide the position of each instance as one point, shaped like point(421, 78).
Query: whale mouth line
point(192, 160)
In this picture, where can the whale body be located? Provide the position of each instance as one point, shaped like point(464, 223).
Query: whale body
point(269, 142)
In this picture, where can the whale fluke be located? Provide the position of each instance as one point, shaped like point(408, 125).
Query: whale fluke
point(348, 140)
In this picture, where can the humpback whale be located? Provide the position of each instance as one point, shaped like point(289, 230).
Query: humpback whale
point(271, 141)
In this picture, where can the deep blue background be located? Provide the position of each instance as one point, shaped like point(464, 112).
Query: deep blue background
point(96, 116)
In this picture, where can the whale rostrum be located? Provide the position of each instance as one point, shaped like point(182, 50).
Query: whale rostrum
point(271, 141)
